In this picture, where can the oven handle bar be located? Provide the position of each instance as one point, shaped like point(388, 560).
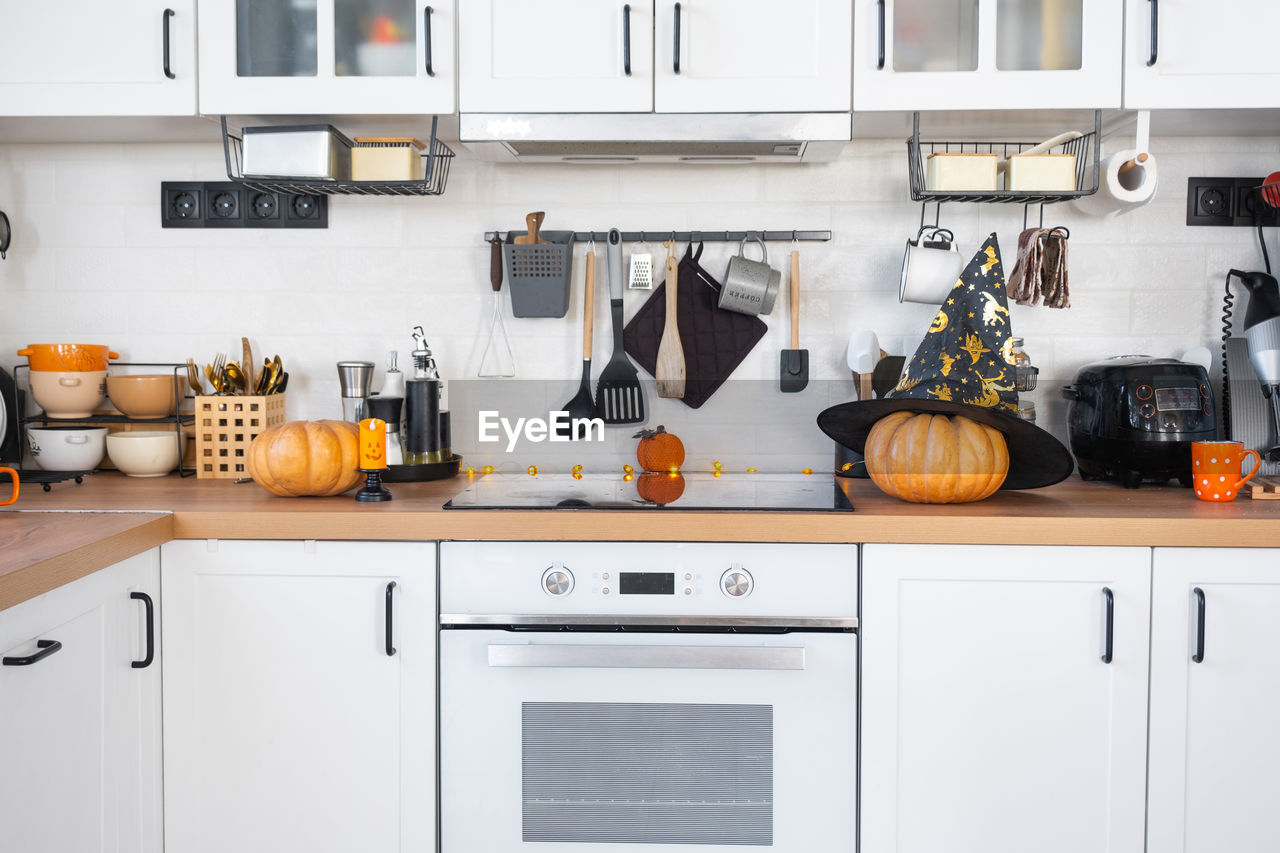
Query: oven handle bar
point(647, 657)
point(561, 620)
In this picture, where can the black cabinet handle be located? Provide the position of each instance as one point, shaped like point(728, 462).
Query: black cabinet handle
point(1155, 31)
point(151, 630)
point(168, 13)
point(46, 647)
point(1111, 622)
point(426, 27)
point(391, 650)
point(880, 53)
point(626, 39)
point(1198, 657)
point(675, 50)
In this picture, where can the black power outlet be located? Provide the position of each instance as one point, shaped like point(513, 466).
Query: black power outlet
point(181, 205)
point(226, 204)
point(1228, 201)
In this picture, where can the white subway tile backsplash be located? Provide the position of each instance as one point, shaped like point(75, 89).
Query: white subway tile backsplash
point(1140, 282)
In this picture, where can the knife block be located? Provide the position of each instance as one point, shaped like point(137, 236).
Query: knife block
point(225, 427)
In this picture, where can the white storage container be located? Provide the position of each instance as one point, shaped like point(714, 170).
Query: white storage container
point(960, 172)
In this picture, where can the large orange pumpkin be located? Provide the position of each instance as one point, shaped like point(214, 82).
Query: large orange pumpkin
point(927, 458)
point(659, 450)
point(307, 458)
point(659, 487)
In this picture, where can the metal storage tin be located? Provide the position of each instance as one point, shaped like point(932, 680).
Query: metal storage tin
point(314, 151)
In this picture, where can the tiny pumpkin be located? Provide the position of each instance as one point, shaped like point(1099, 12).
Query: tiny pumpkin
point(659, 450)
point(306, 458)
point(660, 487)
point(930, 458)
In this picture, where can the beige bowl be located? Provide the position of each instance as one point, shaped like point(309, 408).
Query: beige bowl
point(145, 395)
point(144, 454)
point(68, 394)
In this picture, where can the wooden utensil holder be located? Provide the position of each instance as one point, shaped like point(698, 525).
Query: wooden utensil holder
point(224, 428)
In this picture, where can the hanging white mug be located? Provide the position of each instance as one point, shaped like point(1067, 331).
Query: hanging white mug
point(930, 267)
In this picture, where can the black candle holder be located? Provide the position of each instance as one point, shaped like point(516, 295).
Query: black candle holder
point(373, 489)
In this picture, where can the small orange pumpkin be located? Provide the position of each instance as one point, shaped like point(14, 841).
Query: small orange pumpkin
point(307, 458)
point(659, 450)
point(660, 487)
point(929, 458)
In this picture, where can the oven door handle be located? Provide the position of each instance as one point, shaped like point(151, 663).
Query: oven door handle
point(647, 657)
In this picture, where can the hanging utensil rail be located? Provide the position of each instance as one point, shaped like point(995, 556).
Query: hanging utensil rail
point(691, 236)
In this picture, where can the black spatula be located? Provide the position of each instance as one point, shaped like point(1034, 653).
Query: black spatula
point(619, 394)
point(582, 408)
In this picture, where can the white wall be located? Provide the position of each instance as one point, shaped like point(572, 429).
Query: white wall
point(90, 263)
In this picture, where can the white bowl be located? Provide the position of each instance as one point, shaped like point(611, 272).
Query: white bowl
point(68, 394)
point(67, 448)
point(144, 454)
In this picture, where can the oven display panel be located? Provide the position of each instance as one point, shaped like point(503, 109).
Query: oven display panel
point(646, 583)
point(1177, 400)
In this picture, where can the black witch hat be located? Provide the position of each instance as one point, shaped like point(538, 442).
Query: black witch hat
point(964, 367)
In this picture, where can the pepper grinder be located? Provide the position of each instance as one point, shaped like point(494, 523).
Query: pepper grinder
point(354, 379)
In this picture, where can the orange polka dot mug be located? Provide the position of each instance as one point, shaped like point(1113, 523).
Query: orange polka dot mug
point(1215, 469)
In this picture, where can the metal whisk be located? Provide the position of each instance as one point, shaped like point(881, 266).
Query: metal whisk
point(497, 359)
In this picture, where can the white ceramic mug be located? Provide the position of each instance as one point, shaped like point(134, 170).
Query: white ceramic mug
point(930, 267)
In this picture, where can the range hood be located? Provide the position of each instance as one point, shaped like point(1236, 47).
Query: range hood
point(612, 138)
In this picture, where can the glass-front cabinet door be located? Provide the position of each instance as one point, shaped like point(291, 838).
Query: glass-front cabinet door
point(987, 54)
point(327, 56)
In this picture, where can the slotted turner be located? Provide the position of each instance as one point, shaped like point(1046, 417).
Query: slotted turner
point(619, 395)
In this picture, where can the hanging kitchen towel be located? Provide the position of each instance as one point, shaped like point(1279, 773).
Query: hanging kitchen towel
point(1040, 272)
point(714, 341)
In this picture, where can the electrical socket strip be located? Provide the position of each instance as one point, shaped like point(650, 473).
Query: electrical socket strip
point(1228, 201)
point(224, 204)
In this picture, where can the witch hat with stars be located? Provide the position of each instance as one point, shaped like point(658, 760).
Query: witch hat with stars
point(964, 367)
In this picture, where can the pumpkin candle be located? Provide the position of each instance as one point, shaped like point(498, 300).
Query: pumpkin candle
point(373, 444)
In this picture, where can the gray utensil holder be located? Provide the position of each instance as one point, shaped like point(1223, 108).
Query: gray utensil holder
point(539, 274)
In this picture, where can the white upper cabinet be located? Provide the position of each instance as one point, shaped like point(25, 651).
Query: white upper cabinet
point(717, 56)
point(88, 58)
point(1191, 54)
point(987, 54)
point(334, 57)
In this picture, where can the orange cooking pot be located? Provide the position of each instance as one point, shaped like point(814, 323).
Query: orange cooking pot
point(67, 357)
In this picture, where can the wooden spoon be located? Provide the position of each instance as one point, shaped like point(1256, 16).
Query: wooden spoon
point(670, 368)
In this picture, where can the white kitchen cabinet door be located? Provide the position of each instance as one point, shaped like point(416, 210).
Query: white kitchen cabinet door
point(1187, 54)
point(987, 54)
point(752, 56)
point(288, 724)
point(991, 722)
point(89, 58)
point(328, 57)
point(80, 725)
point(1215, 742)
point(569, 56)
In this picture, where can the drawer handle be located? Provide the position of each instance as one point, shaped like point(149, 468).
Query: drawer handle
point(647, 657)
point(426, 20)
point(675, 51)
point(168, 13)
point(880, 52)
point(1198, 657)
point(151, 630)
point(626, 39)
point(1111, 622)
point(1155, 31)
point(391, 650)
point(46, 647)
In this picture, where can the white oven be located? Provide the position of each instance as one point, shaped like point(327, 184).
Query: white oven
point(639, 697)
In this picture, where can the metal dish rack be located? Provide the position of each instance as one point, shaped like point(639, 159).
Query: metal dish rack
point(178, 420)
point(1086, 148)
point(435, 171)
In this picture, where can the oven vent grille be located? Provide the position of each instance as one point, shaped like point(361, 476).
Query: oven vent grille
point(647, 773)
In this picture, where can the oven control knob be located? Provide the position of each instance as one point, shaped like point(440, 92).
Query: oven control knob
point(736, 583)
point(557, 580)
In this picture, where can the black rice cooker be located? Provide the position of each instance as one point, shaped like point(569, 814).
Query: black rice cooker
point(1132, 418)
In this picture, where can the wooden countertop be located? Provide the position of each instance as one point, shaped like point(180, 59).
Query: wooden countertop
point(44, 548)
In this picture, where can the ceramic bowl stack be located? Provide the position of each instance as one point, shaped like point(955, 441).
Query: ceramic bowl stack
point(68, 380)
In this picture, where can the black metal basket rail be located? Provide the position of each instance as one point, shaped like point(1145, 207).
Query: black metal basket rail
point(435, 171)
point(178, 420)
point(1087, 150)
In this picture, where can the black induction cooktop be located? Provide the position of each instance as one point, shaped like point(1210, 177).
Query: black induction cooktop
point(702, 491)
